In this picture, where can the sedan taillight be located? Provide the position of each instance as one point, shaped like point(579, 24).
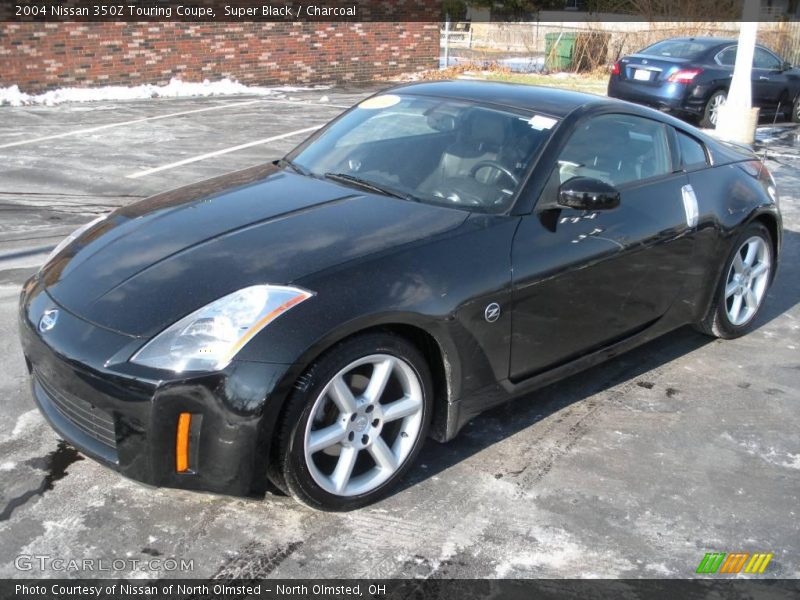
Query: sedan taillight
point(684, 75)
point(615, 69)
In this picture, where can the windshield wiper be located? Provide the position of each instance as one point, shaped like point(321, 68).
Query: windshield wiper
point(285, 162)
point(367, 185)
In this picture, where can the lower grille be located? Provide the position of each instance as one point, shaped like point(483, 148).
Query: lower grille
point(94, 422)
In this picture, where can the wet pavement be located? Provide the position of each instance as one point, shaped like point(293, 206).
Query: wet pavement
point(635, 468)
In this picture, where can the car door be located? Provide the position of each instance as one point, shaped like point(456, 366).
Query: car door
point(768, 79)
point(585, 279)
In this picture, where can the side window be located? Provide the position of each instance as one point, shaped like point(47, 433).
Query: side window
point(693, 155)
point(765, 60)
point(616, 149)
point(727, 58)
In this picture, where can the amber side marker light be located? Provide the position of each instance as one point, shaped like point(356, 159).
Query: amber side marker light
point(182, 443)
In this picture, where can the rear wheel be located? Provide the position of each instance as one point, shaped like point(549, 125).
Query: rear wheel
point(742, 289)
point(785, 106)
point(356, 425)
point(796, 110)
point(713, 106)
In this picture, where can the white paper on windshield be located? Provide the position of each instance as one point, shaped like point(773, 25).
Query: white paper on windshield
point(540, 122)
point(384, 101)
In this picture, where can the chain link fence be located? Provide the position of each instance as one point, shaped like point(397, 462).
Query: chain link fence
point(601, 43)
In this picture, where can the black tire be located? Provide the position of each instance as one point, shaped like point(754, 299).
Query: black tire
point(717, 323)
point(290, 471)
point(705, 119)
point(785, 106)
point(795, 116)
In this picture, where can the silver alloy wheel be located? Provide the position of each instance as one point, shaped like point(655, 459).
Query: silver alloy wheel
point(717, 103)
point(344, 423)
point(747, 280)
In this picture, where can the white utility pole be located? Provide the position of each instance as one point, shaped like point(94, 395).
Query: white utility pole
point(737, 119)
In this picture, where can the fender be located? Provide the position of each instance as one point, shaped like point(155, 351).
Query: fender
point(765, 213)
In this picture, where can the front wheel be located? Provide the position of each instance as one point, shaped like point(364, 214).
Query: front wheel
point(356, 425)
point(712, 109)
point(741, 292)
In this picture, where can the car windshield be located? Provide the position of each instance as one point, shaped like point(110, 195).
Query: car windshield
point(432, 150)
point(677, 48)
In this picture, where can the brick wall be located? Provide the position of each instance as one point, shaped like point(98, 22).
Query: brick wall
point(41, 56)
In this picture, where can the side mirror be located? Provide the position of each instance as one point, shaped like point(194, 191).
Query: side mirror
point(587, 193)
point(787, 66)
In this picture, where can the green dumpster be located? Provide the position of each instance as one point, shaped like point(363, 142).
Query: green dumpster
point(558, 50)
point(575, 51)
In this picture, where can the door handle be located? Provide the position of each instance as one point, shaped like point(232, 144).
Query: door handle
point(762, 78)
point(690, 205)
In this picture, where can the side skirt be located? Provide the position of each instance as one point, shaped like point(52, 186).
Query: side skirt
point(460, 412)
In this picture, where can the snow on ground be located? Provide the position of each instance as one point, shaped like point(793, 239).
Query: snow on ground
point(25, 422)
point(174, 89)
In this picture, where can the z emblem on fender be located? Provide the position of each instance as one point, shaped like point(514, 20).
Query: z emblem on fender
point(492, 312)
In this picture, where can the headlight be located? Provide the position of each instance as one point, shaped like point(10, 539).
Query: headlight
point(210, 337)
point(72, 237)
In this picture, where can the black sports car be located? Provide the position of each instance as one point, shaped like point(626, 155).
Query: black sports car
point(691, 77)
point(436, 250)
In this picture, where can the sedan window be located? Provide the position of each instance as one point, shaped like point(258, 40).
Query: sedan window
point(765, 60)
point(727, 58)
point(676, 49)
point(616, 149)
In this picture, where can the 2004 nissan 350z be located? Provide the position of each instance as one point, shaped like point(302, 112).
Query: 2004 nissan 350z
point(434, 251)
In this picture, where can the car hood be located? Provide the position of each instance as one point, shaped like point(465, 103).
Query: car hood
point(150, 263)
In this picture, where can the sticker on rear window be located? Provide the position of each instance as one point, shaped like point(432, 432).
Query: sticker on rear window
point(384, 101)
point(540, 122)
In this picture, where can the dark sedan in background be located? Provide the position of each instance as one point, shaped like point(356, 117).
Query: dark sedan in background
point(436, 250)
point(691, 76)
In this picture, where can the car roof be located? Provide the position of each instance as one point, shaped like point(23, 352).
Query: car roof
point(711, 43)
point(707, 39)
point(554, 102)
point(551, 101)
point(708, 43)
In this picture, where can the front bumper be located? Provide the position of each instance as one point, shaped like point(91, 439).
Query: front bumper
point(126, 416)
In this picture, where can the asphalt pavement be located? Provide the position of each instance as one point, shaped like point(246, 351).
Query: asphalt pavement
point(635, 468)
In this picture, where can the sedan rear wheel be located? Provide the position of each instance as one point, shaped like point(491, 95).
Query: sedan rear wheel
point(712, 109)
point(741, 293)
point(357, 425)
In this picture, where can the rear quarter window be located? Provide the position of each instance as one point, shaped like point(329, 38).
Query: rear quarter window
point(693, 153)
point(727, 58)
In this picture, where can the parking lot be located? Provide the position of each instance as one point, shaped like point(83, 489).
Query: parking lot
point(635, 468)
